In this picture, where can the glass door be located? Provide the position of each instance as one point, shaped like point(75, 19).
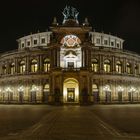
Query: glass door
point(70, 94)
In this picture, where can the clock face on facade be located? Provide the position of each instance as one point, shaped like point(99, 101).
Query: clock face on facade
point(70, 41)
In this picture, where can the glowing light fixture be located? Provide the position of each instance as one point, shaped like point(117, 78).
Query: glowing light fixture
point(21, 89)
point(107, 88)
point(34, 88)
point(8, 89)
point(120, 89)
point(132, 89)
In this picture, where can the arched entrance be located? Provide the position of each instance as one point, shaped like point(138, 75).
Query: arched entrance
point(71, 90)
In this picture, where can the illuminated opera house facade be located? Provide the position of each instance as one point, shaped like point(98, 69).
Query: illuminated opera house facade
point(70, 63)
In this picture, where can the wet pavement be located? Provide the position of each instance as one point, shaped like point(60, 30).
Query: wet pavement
point(43, 122)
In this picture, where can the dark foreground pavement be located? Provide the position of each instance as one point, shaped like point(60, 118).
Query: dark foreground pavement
point(40, 122)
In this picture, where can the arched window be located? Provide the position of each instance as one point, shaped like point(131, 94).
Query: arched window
point(12, 68)
point(94, 65)
point(34, 65)
point(4, 69)
point(118, 67)
point(46, 65)
point(22, 67)
point(107, 65)
point(128, 68)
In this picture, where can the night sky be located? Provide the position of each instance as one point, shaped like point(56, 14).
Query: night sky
point(21, 17)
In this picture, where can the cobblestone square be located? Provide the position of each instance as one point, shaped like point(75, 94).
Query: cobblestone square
point(41, 122)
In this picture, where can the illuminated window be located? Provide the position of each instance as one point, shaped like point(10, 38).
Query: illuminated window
point(12, 68)
point(128, 68)
point(94, 65)
point(4, 69)
point(22, 67)
point(107, 66)
point(70, 41)
point(34, 66)
point(118, 67)
point(46, 65)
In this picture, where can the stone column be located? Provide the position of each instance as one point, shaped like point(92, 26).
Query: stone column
point(52, 59)
point(101, 91)
point(41, 63)
point(7, 68)
point(32, 41)
point(55, 57)
point(82, 58)
point(85, 58)
point(27, 65)
point(113, 64)
point(89, 58)
point(133, 67)
point(101, 63)
point(16, 65)
point(124, 65)
point(58, 57)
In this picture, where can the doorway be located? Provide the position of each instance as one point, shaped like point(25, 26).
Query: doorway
point(108, 97)
point(33, 97)
point(70, 90)
point(70, 94)
point(20, 97)
point(120, 96)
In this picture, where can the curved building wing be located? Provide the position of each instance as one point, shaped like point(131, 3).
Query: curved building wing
point(70, 64)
